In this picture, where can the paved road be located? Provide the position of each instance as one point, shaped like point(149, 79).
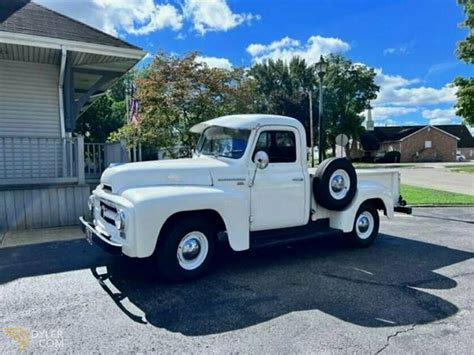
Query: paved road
point(410, 292)
point(437, 177)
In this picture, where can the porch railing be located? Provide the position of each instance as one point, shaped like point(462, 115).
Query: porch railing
point(41, 160)
point(37, 159)
point(94, 160)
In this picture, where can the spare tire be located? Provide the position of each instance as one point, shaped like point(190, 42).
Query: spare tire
point(335, 184)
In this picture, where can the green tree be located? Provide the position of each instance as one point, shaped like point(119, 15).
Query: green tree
point(106, 114)
point(282, 87)
point(102, 118)
point(348, 90)
point(177, 93)
point(465, 51)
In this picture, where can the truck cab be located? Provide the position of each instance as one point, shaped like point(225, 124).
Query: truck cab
point(247, 184)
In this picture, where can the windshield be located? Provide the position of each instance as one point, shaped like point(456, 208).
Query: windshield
point(223, 142)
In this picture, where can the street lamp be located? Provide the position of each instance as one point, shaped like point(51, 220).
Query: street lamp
point(321, 68)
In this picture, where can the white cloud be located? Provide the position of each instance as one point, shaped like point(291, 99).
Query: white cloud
point(114, 16)
point(141, 17)
point(214, 62)
point(214, 15)
point(439, 113)
point(391, 82)
point(441, 116)
point(422, 96)
point(400, 50)
point(382, 112)
point(138, 17)
point(396, 91)
point(286, 48)
point(440, 121)
point(256, 49)
point(387, 123)
point(389, 51)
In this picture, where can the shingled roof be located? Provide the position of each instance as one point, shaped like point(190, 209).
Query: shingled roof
point(29, 18)
point(371, 140)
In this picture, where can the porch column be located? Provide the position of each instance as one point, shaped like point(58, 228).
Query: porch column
point(81, 176)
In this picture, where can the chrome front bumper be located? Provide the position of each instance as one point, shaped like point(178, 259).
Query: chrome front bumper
point(94, 237)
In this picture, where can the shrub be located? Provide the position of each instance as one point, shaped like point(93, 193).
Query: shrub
point(389, 157)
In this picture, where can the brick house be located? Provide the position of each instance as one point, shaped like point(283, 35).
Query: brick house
point(418, 143)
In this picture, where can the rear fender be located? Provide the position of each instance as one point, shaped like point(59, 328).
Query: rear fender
point(366, 190)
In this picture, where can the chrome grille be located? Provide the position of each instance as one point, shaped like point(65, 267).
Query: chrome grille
point(108, 212)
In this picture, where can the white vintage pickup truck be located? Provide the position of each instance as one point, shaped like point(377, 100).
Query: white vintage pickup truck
point(248, 185)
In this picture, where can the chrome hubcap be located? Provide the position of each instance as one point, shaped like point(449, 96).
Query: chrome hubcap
point(364, 225)
point(192, 250)
point(339, 184)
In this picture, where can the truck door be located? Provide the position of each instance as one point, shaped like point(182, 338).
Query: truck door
point(278, 194)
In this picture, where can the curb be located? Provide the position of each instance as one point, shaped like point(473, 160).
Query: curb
point(441, 205)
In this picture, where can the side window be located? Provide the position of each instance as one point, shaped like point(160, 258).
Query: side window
point(279, 145)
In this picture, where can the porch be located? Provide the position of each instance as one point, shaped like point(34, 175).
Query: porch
point(45, 182)
point(27, 161)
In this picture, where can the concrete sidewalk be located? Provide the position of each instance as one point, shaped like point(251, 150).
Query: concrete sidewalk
point(38, 236)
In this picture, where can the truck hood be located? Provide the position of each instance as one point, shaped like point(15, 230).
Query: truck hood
point(195, 171)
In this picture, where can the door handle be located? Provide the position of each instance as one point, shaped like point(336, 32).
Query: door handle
point(297, 179)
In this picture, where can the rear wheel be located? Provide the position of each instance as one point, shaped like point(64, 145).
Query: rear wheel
point(366, 226)
point(185, 249)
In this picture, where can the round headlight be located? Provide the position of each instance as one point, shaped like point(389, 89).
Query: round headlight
point(120, 220)
point(90, 202)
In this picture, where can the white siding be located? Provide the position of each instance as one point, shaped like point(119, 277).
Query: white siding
point(42, 207)
point(29, 104)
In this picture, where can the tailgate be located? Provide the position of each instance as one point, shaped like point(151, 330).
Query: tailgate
point(389, 178)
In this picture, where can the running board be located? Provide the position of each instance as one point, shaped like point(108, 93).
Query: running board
point(273, 237)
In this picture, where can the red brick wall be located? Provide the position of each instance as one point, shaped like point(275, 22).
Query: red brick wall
point(443, 146)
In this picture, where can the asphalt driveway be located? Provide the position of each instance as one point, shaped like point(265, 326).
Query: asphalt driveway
point(410, 292)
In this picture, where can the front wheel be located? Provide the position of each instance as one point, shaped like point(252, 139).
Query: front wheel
point(185, 249)
point(366, 226)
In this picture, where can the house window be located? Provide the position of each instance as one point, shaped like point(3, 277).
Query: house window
point(472, 152)
point(427, 144)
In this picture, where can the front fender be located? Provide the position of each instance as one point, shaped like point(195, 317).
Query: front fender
point(154, 205)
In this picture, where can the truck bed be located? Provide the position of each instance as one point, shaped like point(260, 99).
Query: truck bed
point(390, 178)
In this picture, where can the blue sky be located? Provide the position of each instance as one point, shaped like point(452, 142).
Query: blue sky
point(410, 43)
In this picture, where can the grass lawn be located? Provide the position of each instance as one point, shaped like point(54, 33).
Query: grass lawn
point(420, 196)
point(462, 169)
point(381, 166)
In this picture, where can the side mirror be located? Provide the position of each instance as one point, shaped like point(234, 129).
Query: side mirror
point(261, 159)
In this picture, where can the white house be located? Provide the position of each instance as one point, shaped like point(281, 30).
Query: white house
point(51, 69)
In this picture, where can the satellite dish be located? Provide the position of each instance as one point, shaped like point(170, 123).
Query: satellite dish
point(342, 140)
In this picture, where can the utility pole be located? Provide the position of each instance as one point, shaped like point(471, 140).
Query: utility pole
point(311, 125)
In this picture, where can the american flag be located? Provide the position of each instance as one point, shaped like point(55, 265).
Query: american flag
point(133, 104)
